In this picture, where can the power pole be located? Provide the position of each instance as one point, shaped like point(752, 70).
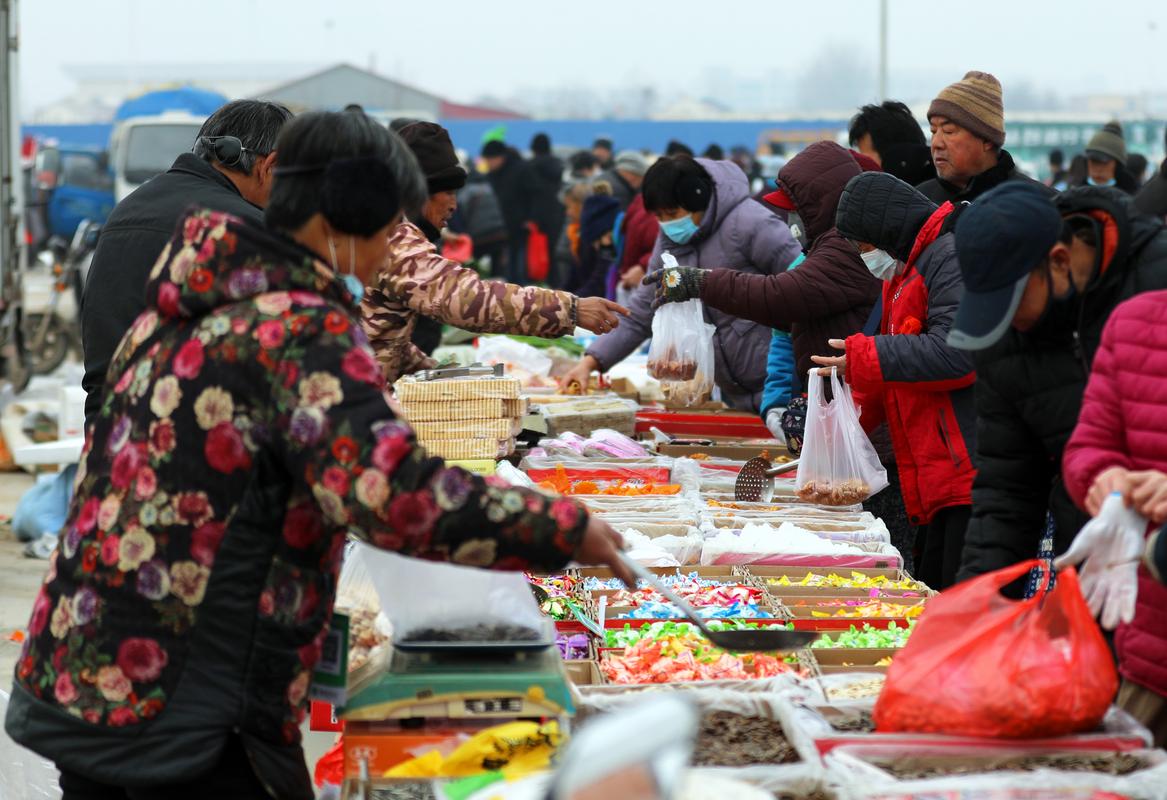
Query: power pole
point(882, 50)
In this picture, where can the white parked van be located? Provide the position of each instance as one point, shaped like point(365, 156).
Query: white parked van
point(142, 147)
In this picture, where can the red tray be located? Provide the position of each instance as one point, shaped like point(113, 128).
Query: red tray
point(723, 424)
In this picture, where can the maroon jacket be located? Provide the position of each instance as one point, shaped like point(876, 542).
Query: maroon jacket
point(829, 295)
point(640, 232)
point(1124, 424)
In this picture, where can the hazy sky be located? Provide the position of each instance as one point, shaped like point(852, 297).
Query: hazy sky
point(463, 49)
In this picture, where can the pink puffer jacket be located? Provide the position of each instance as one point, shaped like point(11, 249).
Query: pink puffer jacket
point(1124, 423)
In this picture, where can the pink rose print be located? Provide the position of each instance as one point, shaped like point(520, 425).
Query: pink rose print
point(360, 365)
point(87, 516)
point(270, 334)
point(40, 613)
point(126, 465)
point(113, 684)
point(168, 295)
point(566, 514)
point(142, 660)
point(225, 450)
point(301, 526)
point(336, 480)
point(390, 449)
point(205, 542)
point(146, 485)
point(110, 549)
point(162, 437)
point(122, 716)
point(413, 514)
point(189, 361)
point(64, 690)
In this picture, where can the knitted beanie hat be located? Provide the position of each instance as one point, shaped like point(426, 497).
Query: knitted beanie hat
point(1108, 142)
point(431, 144)
point(973, 103)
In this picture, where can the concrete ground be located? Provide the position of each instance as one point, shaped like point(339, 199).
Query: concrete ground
point(20, 577)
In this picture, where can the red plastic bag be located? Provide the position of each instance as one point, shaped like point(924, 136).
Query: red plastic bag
point(538, 253)
point(330, 767)
point(980, 664)
point(459, 249)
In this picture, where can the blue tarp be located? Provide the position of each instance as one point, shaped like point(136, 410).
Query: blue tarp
point(187, 98)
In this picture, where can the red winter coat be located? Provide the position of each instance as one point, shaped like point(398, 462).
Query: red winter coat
point(640, 232)
point(908, 375)
point(1124, 423)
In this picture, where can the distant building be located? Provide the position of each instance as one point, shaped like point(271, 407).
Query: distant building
point(102, 88)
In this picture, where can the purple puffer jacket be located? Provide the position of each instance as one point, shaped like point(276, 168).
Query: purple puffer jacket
point(737, 233)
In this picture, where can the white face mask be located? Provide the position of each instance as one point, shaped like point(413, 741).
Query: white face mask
point(880, 264)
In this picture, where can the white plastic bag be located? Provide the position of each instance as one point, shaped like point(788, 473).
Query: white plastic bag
point(681, 354)
point(838, 466)
point(417, 595)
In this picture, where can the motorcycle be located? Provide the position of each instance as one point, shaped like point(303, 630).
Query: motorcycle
point(47, 334)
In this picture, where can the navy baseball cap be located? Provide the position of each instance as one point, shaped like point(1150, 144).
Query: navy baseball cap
point(1000, 239)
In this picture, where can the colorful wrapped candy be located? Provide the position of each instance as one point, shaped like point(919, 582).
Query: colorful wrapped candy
point(656, 631)
point(694, 592)
point(894, 636)
point(591, 584)
point(573, 646)
point(868, 609)
point(857, 580)
point(672, 660)
point(658, 610)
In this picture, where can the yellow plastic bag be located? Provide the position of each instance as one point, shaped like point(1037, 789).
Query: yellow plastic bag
point(514, 748)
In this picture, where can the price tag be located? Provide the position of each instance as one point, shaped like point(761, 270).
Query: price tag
point(331, 675)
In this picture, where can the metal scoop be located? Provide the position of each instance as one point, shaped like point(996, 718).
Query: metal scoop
point(755, 482)
point(768, 640)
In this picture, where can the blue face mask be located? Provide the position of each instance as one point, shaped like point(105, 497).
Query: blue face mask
point(679, 230)
point(354, 286)
point(1093, 182)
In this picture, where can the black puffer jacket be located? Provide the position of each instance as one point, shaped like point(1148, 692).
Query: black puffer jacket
point(1029, 392)
point(546, 209)
point(939, 190)
point(1152, 198)
point(516, 186)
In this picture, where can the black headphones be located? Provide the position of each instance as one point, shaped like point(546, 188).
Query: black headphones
point(228, 150)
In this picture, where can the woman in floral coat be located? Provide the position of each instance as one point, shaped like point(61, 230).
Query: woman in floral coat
point(244, 432)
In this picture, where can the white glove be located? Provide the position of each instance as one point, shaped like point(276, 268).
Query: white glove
point(1111, 546)
point(774, 423)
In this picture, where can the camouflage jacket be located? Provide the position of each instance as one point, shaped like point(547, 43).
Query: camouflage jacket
point(418, 280)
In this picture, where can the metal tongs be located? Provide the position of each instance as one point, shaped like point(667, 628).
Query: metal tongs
point(755, 482)
point(473, 371)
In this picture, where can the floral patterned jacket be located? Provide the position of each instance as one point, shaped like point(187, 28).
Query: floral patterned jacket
point(418, 280)
point(244, 432)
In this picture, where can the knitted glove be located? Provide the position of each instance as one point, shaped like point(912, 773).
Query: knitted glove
point(675, 284)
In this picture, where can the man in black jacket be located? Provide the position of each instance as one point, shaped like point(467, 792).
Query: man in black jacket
point(968, 131)
point(515, 186)
point(546, 208)
point(229, 170)
point(1041, 278)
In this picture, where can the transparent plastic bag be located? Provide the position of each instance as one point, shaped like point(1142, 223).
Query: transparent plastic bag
point(681, 354)
point(421, 597)
point(838, 465)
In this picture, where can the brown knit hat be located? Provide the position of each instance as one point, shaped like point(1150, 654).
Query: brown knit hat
point(973, 103)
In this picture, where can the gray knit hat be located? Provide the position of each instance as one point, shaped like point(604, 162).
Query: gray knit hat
point(632, 161)
point(1108, 144)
